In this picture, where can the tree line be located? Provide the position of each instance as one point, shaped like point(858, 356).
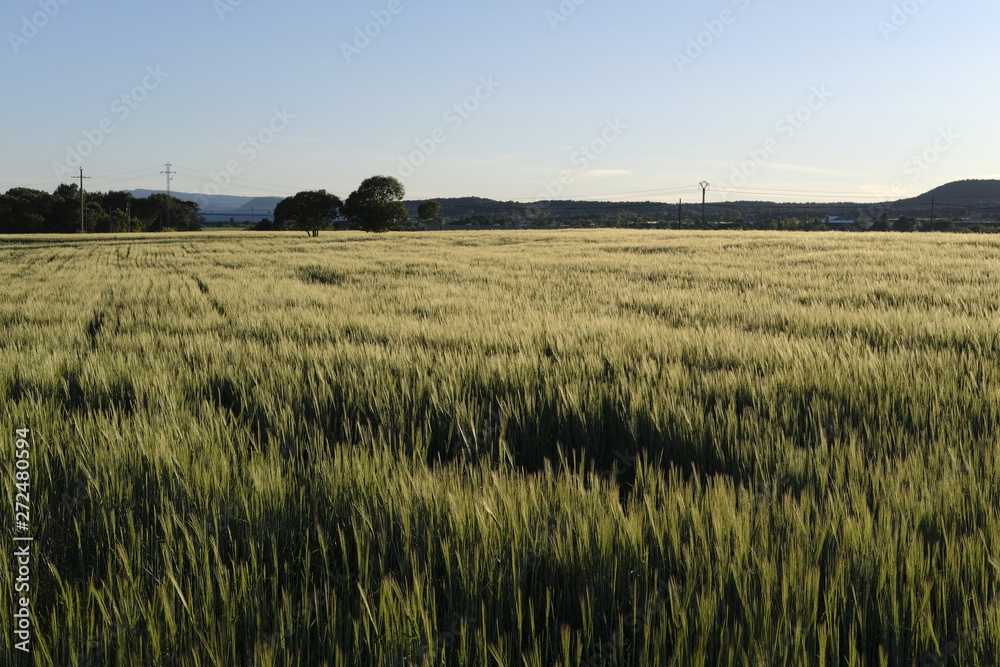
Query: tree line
point(28, 211)
point(377, 206)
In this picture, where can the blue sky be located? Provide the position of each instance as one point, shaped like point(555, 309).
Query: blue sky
point(588, 99)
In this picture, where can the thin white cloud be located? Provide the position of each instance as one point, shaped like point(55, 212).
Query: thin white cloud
point(810, 170)
point(603, 173)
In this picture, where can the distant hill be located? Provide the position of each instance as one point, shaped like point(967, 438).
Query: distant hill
point(456, 207)
point(959, 193)
point(220, 208)
point(978, 198)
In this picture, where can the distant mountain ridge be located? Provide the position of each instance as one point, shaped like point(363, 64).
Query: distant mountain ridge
point(981, 195)
point(220, 208)
point(959, 193)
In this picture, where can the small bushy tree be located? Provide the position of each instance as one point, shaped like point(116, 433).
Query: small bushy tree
point(309, 211)
point(429, 210)
point(883, 224)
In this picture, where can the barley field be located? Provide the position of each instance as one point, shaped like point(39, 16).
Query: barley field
point(506, 448)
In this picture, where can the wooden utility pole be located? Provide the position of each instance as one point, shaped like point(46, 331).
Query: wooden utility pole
point(170, 176)
point(82, 211)
point(128, 213)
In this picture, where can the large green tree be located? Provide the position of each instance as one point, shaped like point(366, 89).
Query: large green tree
point(377, 205)
point(309, 211)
